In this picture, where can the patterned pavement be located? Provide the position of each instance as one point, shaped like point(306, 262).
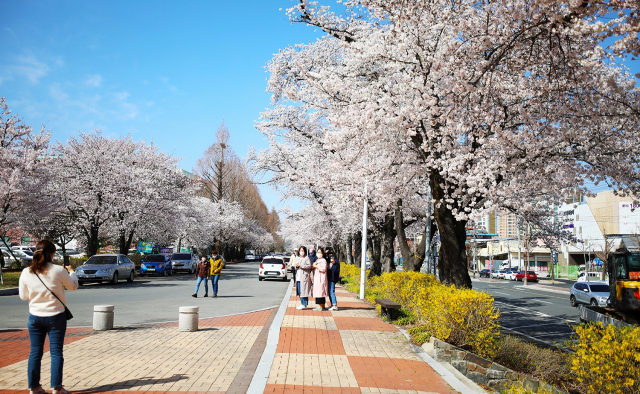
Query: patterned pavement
point(328, 352)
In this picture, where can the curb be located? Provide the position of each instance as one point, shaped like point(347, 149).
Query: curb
point(449, 376)
point(9, 292)
point(261, 375)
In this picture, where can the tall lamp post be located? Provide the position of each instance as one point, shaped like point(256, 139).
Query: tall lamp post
point(363, 264)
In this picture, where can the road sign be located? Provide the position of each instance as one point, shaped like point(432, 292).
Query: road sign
point(555, 258)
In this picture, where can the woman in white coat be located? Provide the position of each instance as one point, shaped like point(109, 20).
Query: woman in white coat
point(303, 280)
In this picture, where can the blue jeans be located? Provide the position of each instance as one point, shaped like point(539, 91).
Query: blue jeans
point(303, 300)
point(206, 285)
point(39, 328)
point(214, 283)
point(332, 293)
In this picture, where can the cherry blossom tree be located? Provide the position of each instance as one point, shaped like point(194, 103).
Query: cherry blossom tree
point(23, 174)
point(491, 104)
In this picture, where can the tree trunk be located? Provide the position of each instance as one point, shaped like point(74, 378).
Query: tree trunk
point(410, 261)
point(349, 250)
point(92, 241)
point(357, 245)
point(374, 246)
point(387, 250)
point(452, 261)
point(125, 242)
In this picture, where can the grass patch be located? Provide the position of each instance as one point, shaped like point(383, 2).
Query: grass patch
point(10, 279)
point(420, 335)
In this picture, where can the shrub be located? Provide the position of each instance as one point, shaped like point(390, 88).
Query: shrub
point(549, 365)
point(518, 388)
point(607, 359)
point(420, 335)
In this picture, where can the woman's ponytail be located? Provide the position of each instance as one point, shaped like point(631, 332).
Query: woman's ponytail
point(42, 256)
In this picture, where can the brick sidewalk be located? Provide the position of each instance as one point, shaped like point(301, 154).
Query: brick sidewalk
point(347, 351)
point(150, 358)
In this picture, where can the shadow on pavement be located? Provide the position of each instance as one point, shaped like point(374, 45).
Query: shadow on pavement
point(126, 384)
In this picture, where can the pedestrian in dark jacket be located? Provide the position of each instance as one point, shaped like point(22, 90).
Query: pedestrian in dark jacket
point(312, 255)
point(334, 277)
point(202, 275)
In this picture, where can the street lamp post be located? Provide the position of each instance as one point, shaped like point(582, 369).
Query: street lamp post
point(363, 264)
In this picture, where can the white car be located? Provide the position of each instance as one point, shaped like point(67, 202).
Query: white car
point(511, 275)
point(187, 262)
point(273, 267)
point(593, 277)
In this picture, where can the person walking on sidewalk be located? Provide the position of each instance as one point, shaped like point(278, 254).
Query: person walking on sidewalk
point(334, 277)
point(43, 284)
point(303, 281)
point(202, 275)
point(216, 268)
point(320, 289)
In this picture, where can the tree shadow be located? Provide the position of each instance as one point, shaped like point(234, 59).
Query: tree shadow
point(127, 384)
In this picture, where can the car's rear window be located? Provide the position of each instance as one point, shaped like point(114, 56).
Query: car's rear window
point(154, 258)
point(531, 273)
point(600, 288)
point(272, 261)
point(181, 256)
point(102, 260)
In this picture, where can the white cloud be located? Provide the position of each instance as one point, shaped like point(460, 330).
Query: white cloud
point(94, 81)
point(122, 96)
point(30, 67)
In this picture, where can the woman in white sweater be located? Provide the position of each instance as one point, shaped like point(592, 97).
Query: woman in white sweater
point(46, 312)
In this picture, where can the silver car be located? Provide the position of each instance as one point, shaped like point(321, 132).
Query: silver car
point(187, 262)
point(592, 293)
point(106, 268)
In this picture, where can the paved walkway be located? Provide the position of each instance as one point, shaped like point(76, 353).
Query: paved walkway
point(346, 351)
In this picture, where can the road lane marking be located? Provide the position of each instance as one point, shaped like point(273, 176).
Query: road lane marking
point(535, 339)
point(526, 309)
point(546, 302)
point(538, 294)
point(498, 292)
point(543, 324)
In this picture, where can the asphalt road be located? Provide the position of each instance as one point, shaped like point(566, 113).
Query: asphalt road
point(545, 316)
point(157, 299)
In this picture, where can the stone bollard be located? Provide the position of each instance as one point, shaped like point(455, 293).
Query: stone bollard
point(188, 320)
point(103, 317)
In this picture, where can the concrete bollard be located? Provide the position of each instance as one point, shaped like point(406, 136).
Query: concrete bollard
point(103, 317)
point(188, 320)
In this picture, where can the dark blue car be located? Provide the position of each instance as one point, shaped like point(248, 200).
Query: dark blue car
point(156, 264)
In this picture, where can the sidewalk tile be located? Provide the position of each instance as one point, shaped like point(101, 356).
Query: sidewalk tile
point(309, 341)
point(362, 323)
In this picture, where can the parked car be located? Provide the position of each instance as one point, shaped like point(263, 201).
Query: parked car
point(593, 293)
point(530, 276)
point(498, 274)
point(23, 259)
point(24, 247)
point(273, 267)
point(485, 273)
point(156, 264)
point(184, 262)
point(106, 267)
point(511, 275)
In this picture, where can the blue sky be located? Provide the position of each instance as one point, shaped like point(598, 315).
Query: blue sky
point(167, 71)
point(163, 70)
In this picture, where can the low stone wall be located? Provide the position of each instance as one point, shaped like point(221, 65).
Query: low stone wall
point(480, 370)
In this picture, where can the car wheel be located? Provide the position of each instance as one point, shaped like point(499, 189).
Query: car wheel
point(574, 303)
point(130, 279)
point(594, 302)
point(260, 278)
point(114, 281)
point(285, 278)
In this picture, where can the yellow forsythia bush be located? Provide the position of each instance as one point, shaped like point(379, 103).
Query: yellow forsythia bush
point(607, 359)
point(462, 317)
point(518, 388)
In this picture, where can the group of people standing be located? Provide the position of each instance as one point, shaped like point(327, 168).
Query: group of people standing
point(209, 268)
point(316, 275)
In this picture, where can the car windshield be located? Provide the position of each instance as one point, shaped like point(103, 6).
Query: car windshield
point(28, 252)
point(599, 288)
point(634, 262)
point(95, 260)
point(154, 258)
point(181, 256)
